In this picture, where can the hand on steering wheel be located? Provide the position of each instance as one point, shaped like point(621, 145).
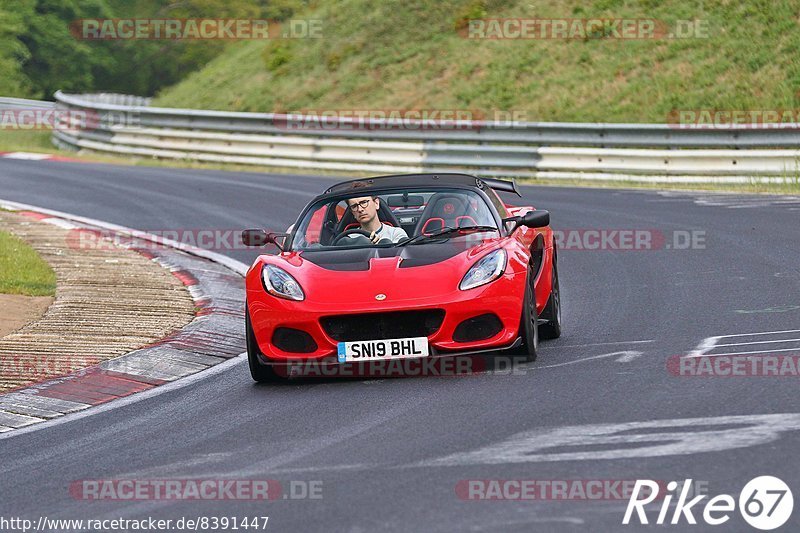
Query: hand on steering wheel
point(356, 231)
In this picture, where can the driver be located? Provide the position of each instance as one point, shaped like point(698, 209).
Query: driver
point(365, 211)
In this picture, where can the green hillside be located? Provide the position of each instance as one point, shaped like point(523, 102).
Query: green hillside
point(410, 54)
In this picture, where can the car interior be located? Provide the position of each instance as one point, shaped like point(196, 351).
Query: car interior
point(416, 213)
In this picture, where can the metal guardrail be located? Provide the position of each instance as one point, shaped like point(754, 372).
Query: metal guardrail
point(641, 152)
point(23, 103)
point(124, 100)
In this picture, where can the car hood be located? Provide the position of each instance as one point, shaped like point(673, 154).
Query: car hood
point(402, 274)
point(361, 259)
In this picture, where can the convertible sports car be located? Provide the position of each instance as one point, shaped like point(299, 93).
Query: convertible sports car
point(467, 275)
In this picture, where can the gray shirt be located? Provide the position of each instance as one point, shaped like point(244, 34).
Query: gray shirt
point(389, 232)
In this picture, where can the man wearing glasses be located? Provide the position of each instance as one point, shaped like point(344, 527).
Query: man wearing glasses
point(365, 211)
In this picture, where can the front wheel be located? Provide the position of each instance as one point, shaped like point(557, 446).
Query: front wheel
point(551, 329)
point(258, 371)
point(528, 329)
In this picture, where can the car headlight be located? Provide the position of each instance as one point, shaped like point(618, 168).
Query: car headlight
point(280, 283)
point(487, 269)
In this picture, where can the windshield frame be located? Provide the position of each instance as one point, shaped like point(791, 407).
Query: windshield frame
point(339, 196)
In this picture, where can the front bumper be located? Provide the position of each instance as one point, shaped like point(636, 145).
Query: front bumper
point(450, 364)
point(269, 313)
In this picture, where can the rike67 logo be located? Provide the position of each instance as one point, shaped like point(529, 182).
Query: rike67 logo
point(765, 503)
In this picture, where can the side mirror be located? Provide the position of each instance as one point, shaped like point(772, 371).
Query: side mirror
point(259, 237)
point(535, 219)
point(531, 219)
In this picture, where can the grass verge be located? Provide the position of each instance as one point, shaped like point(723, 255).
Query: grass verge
point(25, 141)
point(22, 271)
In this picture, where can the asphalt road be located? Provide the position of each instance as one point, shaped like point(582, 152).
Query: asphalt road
point(390, 453)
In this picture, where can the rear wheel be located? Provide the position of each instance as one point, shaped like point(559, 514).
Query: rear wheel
point(260, 372)
point(527, 327)
point(552, 311)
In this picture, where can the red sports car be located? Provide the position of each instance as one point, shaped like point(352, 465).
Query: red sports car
point(411, 266)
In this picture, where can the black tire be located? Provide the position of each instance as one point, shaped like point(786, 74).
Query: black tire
point(527, 326)
point(552, 311)
point(260, 372)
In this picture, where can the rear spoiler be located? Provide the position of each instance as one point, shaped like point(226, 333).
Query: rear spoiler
point(503, 185)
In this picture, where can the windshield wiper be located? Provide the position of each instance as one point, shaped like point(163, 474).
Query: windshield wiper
point(444, 232)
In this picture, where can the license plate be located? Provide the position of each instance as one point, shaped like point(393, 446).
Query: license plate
point(355, 351)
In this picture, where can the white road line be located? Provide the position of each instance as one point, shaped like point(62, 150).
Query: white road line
point(628, 356)
point(759, 333)
point(605, 344)
point(27, 155)
point(59, 222)
point(624, 357)
point(705, 345)
point(627, 440)
point(756, 342)
point(709, 343)
point(796, 349)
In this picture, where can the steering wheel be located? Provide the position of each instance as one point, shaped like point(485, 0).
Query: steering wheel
point(355, 231)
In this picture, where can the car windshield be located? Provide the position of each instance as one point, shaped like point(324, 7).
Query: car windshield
point(392, 218)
